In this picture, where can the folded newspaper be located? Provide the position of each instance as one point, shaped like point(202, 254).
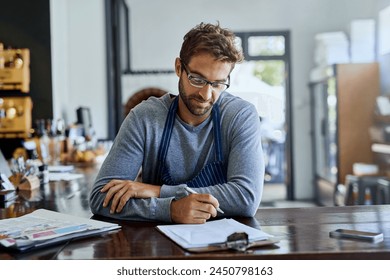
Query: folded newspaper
point(43, 227)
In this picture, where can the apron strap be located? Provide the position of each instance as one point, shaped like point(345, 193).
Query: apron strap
point(166, 137)
point(167, 133)
point(217, 132)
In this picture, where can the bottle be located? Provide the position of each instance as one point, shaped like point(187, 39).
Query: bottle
point(2, 58)
point(44, 141)
point(367, 197)
point(55, 141)
point(355, 194)
point(43, 174)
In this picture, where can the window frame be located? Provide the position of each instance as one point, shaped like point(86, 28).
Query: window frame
point(286, 58)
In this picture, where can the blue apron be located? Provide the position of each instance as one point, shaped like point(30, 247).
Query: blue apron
point(212, 173)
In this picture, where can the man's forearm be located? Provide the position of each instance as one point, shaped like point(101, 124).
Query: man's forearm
point(151, 209)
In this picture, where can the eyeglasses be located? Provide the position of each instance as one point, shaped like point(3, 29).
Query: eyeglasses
point(200, 82)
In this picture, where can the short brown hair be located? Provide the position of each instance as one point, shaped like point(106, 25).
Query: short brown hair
point(212, 39)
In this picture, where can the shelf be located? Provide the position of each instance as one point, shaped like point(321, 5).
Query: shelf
point(16, 78)
point(341, 131)
point(381, 148)
point(383, 119)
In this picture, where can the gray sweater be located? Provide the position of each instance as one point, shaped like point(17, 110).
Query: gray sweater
point(190, 148)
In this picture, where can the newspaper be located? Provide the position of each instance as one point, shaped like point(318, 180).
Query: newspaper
point(44, 227)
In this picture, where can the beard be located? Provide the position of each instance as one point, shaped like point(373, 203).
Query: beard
point(195, 103)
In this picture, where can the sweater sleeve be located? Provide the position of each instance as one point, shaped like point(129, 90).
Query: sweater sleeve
point(123, 163)
point(245, 166)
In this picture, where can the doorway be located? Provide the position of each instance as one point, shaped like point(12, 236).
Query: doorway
point(264, 80)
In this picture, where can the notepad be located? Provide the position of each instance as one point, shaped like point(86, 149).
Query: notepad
point(210, 233)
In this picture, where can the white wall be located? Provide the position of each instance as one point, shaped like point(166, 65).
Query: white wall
point(60, 57)
point(157, 29)
point(79, 60)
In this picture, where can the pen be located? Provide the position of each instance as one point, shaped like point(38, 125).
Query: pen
point(192, 191)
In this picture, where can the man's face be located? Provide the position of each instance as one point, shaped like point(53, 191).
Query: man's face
point(195, 103)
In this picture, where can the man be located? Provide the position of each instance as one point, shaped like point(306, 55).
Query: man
point(204, 139)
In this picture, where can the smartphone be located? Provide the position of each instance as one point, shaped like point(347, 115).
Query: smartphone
point(356, 234)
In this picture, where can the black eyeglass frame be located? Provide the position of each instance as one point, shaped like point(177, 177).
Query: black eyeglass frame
point(214, 85)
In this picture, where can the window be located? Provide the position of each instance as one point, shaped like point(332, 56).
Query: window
point(266, 45)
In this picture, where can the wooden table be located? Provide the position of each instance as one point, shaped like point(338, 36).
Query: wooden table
point(304, 232)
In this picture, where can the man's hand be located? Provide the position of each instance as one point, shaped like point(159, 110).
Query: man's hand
point(194, 209)
point(120, 191)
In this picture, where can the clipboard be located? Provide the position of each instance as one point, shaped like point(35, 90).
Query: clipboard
point(219, 235)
